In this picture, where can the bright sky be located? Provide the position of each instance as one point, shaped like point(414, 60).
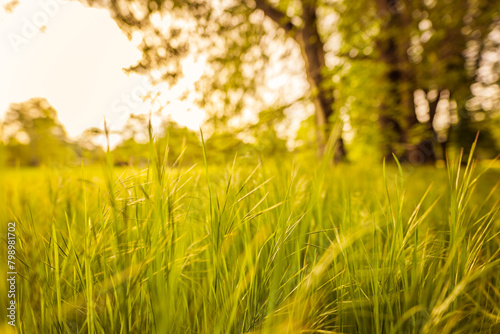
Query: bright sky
point(76, 64)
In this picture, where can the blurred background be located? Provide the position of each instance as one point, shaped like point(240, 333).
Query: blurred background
point(261, 78)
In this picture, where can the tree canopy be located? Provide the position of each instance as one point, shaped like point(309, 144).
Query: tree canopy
point(409, 77)
point(33, 134)
point(397, 73)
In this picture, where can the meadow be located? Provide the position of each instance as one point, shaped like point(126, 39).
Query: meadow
point(275, 247)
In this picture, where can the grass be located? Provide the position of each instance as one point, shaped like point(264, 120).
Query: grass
point(278, 247)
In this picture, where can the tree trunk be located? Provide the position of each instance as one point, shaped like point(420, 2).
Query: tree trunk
point(390, 126)
point(398, 119)
point(313, 53)
point(430, 125)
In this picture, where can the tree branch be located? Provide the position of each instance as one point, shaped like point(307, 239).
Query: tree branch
point(276, 15)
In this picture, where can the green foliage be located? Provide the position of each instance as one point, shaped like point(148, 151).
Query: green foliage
point(358, 102)
point(397, 47)
point(464, 133)
point(372, 56)
point(33, 135)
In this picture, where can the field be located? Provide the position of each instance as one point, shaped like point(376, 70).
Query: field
point(277, 247)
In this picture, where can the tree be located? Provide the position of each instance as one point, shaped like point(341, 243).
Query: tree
point(239, 38)
point(454, 39)
point(88, 148)
point(177, 144)
point(33, 134)
point(431, 47)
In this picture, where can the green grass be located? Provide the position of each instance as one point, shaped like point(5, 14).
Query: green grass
point(273, 248)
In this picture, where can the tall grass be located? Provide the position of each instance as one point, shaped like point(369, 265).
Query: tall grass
point(278, 247)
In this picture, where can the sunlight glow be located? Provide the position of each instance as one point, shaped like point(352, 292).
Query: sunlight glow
point(74, 57)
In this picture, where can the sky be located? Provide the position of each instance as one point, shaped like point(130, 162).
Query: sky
point(74, 57)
